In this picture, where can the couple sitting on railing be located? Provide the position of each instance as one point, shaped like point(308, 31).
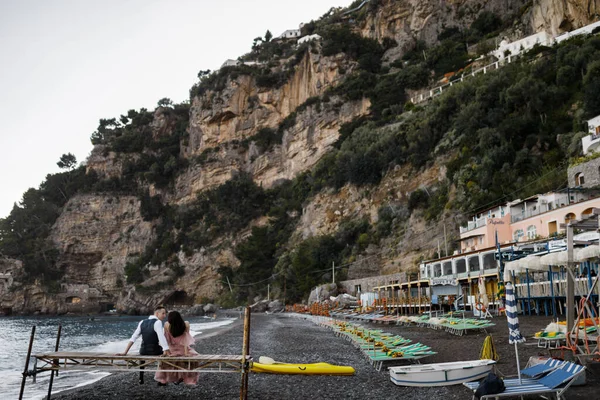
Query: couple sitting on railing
point(174, 340)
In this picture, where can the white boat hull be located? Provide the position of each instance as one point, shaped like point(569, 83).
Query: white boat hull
point(443, 374)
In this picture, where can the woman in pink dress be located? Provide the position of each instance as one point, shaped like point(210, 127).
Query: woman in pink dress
point(177, 332)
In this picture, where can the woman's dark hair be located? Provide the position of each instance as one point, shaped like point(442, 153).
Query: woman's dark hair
point(177, 324)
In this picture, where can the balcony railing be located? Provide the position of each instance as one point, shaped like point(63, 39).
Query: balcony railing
point(529, 213)
point(477, 223)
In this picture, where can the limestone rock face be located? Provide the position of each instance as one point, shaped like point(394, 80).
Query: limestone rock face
point(324, 213)
point(559, 16)
point(10, 272)
point(315, 130)
point(220, 120)
point(243, 108)
point(106, 164)
point(407, 21)
point(202, 278)
point(96, 235)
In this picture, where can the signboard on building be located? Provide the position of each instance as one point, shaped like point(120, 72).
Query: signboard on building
point(443, 281)
point(556, 244)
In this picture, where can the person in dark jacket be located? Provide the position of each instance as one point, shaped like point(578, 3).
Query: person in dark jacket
point(154, 342)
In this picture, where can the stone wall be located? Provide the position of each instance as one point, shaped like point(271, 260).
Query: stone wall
point(591, 174)
point(367, 284)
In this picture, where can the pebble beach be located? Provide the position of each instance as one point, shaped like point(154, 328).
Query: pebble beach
point(295, 338)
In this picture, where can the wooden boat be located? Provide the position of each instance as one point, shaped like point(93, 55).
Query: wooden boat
point(443, 374)
point(302, 369)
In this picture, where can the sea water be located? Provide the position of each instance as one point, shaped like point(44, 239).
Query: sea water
point(107, 334)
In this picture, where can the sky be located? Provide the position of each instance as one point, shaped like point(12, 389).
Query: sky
point(65, 64)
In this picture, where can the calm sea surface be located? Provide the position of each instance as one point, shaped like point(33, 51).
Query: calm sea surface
point(102, 334)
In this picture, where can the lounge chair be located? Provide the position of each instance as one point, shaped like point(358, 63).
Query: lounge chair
point(539, 370)
point(379, 358)
point(557, 382)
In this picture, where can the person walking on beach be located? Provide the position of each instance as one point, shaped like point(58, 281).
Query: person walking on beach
point(177, 332)
point(154, 342)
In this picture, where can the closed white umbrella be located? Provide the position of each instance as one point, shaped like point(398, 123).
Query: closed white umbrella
point(483, 292)
point(559, 258)
point(512, 266)
point(532, 262)
point(588, 252)
point(522, 264)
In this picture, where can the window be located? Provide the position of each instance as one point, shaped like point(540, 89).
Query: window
point(587, 211)
point(569, 217)
point(579, 179)
point(531, 232)
point(518, 235)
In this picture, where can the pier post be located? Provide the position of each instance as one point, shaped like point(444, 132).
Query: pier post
point(552, 291)
point(245, 350)
point(570, 295)
point(27, 363)
point(55, 363)
point(528, 292)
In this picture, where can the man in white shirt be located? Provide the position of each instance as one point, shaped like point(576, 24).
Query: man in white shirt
point(154, 342)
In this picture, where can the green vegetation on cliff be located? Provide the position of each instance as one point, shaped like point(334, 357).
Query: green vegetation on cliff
point(502, 135)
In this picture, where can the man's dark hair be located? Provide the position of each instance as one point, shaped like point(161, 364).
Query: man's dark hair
point(159, 307)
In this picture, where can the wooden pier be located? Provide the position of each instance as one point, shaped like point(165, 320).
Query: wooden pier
point(90, 361)
point(67, 361)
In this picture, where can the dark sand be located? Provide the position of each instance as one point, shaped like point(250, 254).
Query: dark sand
point(289, 338)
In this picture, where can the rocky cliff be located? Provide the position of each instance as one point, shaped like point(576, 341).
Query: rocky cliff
point(559, 16)
point(219, 120)
point(98, 234)
point(412, 20)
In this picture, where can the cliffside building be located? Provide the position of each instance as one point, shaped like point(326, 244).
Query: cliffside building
point(527, 219)
point(290, 34)
point(309, 38)
point(586, 30)
point(507, 48)
point(591, 142)
point(587, 174)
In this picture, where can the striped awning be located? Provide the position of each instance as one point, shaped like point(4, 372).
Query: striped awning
point(514, 334)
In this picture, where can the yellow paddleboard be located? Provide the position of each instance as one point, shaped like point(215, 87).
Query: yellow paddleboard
point(302, 369)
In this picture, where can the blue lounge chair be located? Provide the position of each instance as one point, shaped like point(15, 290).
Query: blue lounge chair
point(539, 370)
point(557, 382)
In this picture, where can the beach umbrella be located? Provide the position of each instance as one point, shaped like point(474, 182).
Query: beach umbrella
point(514, 334)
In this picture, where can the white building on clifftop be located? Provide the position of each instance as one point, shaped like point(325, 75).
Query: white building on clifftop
point(507, 48)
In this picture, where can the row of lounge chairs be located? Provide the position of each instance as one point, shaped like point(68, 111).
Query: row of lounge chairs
point(449, 322)
point(379, 347)
point(552, 377)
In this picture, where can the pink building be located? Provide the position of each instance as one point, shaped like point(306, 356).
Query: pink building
point(535, 217)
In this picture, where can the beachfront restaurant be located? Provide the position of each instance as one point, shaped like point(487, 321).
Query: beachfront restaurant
point(465, 280)
point(541, 280)
point(456, 278)
point(403, 298)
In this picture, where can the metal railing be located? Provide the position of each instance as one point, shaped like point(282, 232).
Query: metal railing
point(477, 223)
point(436, 91)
